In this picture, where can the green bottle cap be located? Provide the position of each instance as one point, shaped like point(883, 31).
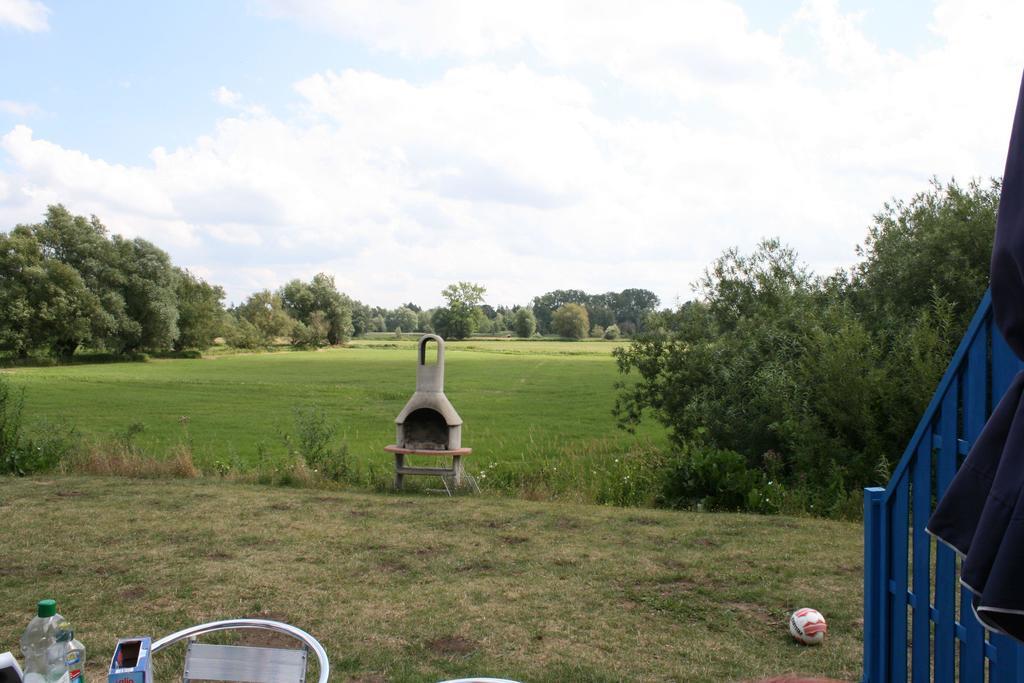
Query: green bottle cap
point(47, 608)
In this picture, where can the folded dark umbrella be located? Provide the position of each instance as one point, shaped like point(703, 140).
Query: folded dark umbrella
point(982, 513)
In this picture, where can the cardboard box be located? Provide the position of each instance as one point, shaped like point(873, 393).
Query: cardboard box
point(130, 663)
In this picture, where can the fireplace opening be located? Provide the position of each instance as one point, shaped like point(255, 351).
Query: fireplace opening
point(425, 429)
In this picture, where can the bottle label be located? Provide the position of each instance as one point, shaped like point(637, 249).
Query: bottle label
point(73, 660)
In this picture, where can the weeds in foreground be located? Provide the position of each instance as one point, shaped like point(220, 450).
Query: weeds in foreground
point(23, 453)
point(117, 459)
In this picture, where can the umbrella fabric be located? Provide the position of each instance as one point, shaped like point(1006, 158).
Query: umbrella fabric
point(982, 514)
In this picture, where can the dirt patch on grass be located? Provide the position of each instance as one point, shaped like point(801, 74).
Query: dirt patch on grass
point(704, 542)
point(674, 587)
point(644, 521)
point(497, 524)
point(133, 593)
point(451, 646)
point(217, 555)
point(394, 566)
point(748, 610)
point(280, 507)
point(514, 540)
point(566, 523)
point(69, 494)
point(110, 570)
point(261, 638)
point(476, 566)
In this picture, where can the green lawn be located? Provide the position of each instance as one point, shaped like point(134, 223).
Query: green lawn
point(522, 401)
point(421, 588)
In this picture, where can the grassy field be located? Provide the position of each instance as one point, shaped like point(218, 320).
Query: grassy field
point(527, 403)
point(421, 588)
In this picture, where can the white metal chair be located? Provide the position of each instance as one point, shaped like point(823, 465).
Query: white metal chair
point(207, 662)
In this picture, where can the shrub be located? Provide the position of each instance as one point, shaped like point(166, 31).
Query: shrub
point(312, 442)
point(524, 324)
point(596, 331)
point(571, 321)
point(11, 437)
point(710, 478)
point(242, 334)
point(611, 332)
point(20, 452)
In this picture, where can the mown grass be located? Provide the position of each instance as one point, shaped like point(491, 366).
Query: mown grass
point(526, 404)
point(422, 588)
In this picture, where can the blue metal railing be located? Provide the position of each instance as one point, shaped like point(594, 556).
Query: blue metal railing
point(918, 621)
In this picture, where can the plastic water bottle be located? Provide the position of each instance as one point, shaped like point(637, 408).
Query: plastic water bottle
point(74, 660)
point(44, 645)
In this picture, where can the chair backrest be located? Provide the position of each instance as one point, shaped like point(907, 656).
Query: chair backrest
point(243, 663)
point(205, 662)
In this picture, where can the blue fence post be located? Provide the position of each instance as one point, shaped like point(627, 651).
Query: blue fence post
point(975, 413)
point(921, 508)
point(945, 558)
point(898, 565)
point(875, 635)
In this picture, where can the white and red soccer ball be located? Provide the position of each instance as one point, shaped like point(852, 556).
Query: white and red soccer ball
point(807, 626)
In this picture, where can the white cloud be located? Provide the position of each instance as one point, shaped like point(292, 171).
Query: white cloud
point(227, 97)
point(27, 15)
point(23, 109)
point(697, 133)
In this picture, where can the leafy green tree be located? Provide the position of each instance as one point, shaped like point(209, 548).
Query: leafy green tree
point(459, 319)
point(302, 300)
point(402, 317)
point(571, 321)
point(611, 332)
point(763, 362)
point(601, 309)
point(632, 307)
point(83, 245)
point(423, 319)
point(147, 281)
point(937, 244)
point(545, 305)
point(242, 334)
point(312, 334)
point(524, 324)
point(481, 323)
point(360, 318)
point(265, 312)
point(44, 304)
point(200, 311)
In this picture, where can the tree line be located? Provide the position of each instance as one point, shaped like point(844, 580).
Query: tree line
point(66, 284)
point(776, 378)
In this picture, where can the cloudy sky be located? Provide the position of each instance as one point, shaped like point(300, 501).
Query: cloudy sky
point(524, 145)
